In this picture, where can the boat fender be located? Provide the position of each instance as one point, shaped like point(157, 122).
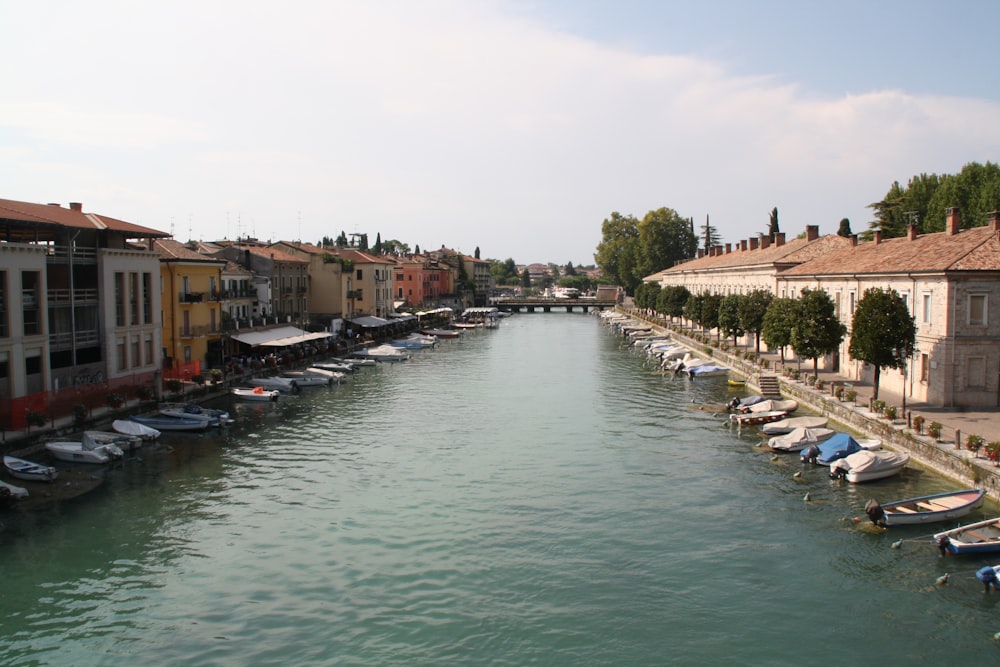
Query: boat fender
point(875, 512)
point(988, 576)
point(811, 454)
point(942, 544)
point(258, 390)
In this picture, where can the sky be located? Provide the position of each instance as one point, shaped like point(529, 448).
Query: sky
point(512, 126)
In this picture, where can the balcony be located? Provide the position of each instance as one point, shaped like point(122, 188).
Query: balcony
point(61, 297)
point(198, 331)
point(191, 297)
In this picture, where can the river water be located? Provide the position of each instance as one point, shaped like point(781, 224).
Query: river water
point(532, 495)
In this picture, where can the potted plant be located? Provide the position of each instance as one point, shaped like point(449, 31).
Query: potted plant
point(974, 443)
point(934, 430)
point(115, 400)
point(35, 418)
point(851, 395)
point(174, 386)
point(918, 424)
point(993, 452)
point(878, 406)
point(216, 375)
point(890, 412)
point(198, 379)
point(820, 384)
point(144, 393)
point(79, 414)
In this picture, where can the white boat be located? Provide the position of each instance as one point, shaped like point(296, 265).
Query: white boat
point(126, 442)
point(255, 393)
point(707, 370)
point(789, 424)
point(129, 427)
point(799, 438)
point(383, 353)
point(213, 416)
point(868, 465)
point(353, 362)
point(170, 423)
point(337, 366)
point(333, 376)
point(70, 450)
point(275, 383)
point(9, 492)
point(303, 379)
point(29, 470)
point(773, 404)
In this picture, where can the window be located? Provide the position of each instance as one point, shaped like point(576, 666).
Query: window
point(926, 307)
point(119, 299)
point(148, 343)
point(359, 274)
point(3, 304)
point(925, 371)
point(147, 298)
point(976, 370)
point(30, 303)
point(906, 299)
point(133, 298)
point(121, 362)
point(136, 359)
point(187, 353)
point(853, 301)
point(977, 309)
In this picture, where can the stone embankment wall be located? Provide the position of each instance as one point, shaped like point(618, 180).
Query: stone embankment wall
point(948, 459)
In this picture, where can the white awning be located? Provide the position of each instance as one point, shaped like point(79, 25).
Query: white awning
point(278, 337)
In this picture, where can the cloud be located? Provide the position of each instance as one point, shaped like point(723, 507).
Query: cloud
point(449, 123)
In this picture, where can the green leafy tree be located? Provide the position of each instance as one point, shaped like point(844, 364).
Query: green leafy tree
point(505, 272)
point(617, 252)
point(569, 271)
point(779, 320)
point(883, 333)
point(582, 283)
point(341, 240)
point(664, 238)
point(975, 191)
point(730, 323)
point(525, 278)
point(692, 308)
point(817, 332)
point(672, 300)
point(710, 311)
point(416, 250)
point(845, 228)
point(646, 295)
point(477, 253)
point(395, 247)
point(753, 308)
point(377, 249)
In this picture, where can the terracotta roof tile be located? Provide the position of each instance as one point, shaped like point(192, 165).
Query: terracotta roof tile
point(67, 217)
point(173, 249)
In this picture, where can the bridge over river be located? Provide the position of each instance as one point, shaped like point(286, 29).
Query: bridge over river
point(547, 304)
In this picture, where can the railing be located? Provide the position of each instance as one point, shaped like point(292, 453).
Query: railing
point(198, 331)
point(60, 297)
point(191, 297)
point(79, 253)
point(83, 338)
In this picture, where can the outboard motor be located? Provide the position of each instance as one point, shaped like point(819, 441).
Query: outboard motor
point(943, 544)
point(988, 576)
point(811, 455)
point(875, 512)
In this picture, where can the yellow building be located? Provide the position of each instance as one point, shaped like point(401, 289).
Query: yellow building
point(190, 289)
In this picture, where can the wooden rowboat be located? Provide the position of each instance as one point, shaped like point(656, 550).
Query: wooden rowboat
point(976, 538)
point(925, 509)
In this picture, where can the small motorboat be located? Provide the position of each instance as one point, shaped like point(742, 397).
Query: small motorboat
point(29, 470)
point(868, 465)
point(789, 424)
point(129, 427)
point(755, 418)
point(773, 404)
point(442, 333)
point(165, 423)
point(255, 393)
point(78, 452)
point(213, 416)
point(307, 379)
point(126, 442)
point(925, 509)
point(383, 353)
point(10, 492)
point(331, 375)
point(837, 446)
point(707, 370)
point(279, 384)
point(976, 538)
point(799, 439)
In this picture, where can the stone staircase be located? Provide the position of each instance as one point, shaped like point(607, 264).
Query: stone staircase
point(769, 385)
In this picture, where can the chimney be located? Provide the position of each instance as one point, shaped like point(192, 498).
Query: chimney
point(56, 204)
point(779, 239)
point(729, 248)
point(765, 242)
point(878, 236)
point(754, 243)
point(854, 240)
point(76, 206)
point(952, 220)
point(812, 232)
point(743, 244)
point(701, 253)
point(995, 220)
point(913, 231)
